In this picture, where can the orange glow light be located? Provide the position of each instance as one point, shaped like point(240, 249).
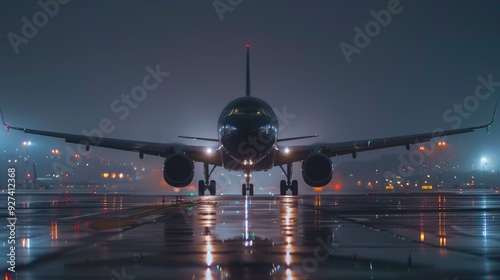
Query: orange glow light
point(317, 189)
point(421, 148)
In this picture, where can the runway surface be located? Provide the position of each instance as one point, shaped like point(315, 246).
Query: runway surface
point(369, 236)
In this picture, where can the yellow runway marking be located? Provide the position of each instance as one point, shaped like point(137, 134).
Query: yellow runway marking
point(131, 220)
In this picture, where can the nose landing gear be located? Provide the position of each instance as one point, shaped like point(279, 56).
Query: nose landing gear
point(244, 189)
point(247, 186)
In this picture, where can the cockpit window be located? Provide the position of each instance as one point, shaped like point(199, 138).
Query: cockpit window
point(248, 111)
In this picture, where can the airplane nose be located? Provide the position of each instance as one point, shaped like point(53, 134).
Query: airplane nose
point(249, 139)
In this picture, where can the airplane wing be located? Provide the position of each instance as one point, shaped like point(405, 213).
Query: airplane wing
point(196, 153)
point(299, 153)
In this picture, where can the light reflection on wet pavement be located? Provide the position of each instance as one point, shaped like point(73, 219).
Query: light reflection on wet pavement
point(382, 236)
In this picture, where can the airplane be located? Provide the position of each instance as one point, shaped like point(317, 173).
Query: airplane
point(43, 182)
point(248, 141)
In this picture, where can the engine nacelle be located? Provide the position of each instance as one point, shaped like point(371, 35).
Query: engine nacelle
point(178, 170)
point(317, 170)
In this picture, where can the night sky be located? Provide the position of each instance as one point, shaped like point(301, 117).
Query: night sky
point(427, 58)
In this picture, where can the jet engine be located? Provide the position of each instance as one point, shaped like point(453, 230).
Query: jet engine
point(317, 170)
point(178, 170)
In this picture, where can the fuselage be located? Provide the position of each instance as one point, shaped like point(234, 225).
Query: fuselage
point(248, 131)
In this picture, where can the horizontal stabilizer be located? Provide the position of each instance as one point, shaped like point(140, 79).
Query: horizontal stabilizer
point(199, 138)
point(297, 138)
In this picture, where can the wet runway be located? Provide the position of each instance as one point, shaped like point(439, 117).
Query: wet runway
point(382, 236)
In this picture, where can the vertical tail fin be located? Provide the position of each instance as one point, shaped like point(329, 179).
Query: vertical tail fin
point(248, 72)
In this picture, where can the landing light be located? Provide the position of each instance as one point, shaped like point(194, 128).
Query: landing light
point(286, 150)
point(209, 151)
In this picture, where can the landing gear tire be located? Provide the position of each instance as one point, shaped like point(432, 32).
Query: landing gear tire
point(212, 187)
point(244, 189)
point(201, 188)
point(283, 187)
point(289, 184)
point(206, 184)
point(295, 187)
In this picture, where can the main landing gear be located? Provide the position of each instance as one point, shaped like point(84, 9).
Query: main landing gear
point(207, 184)
point(247, 186)
point(289, 184)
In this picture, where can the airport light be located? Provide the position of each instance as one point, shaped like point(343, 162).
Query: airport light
point(26, 159)
point(484, 162)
